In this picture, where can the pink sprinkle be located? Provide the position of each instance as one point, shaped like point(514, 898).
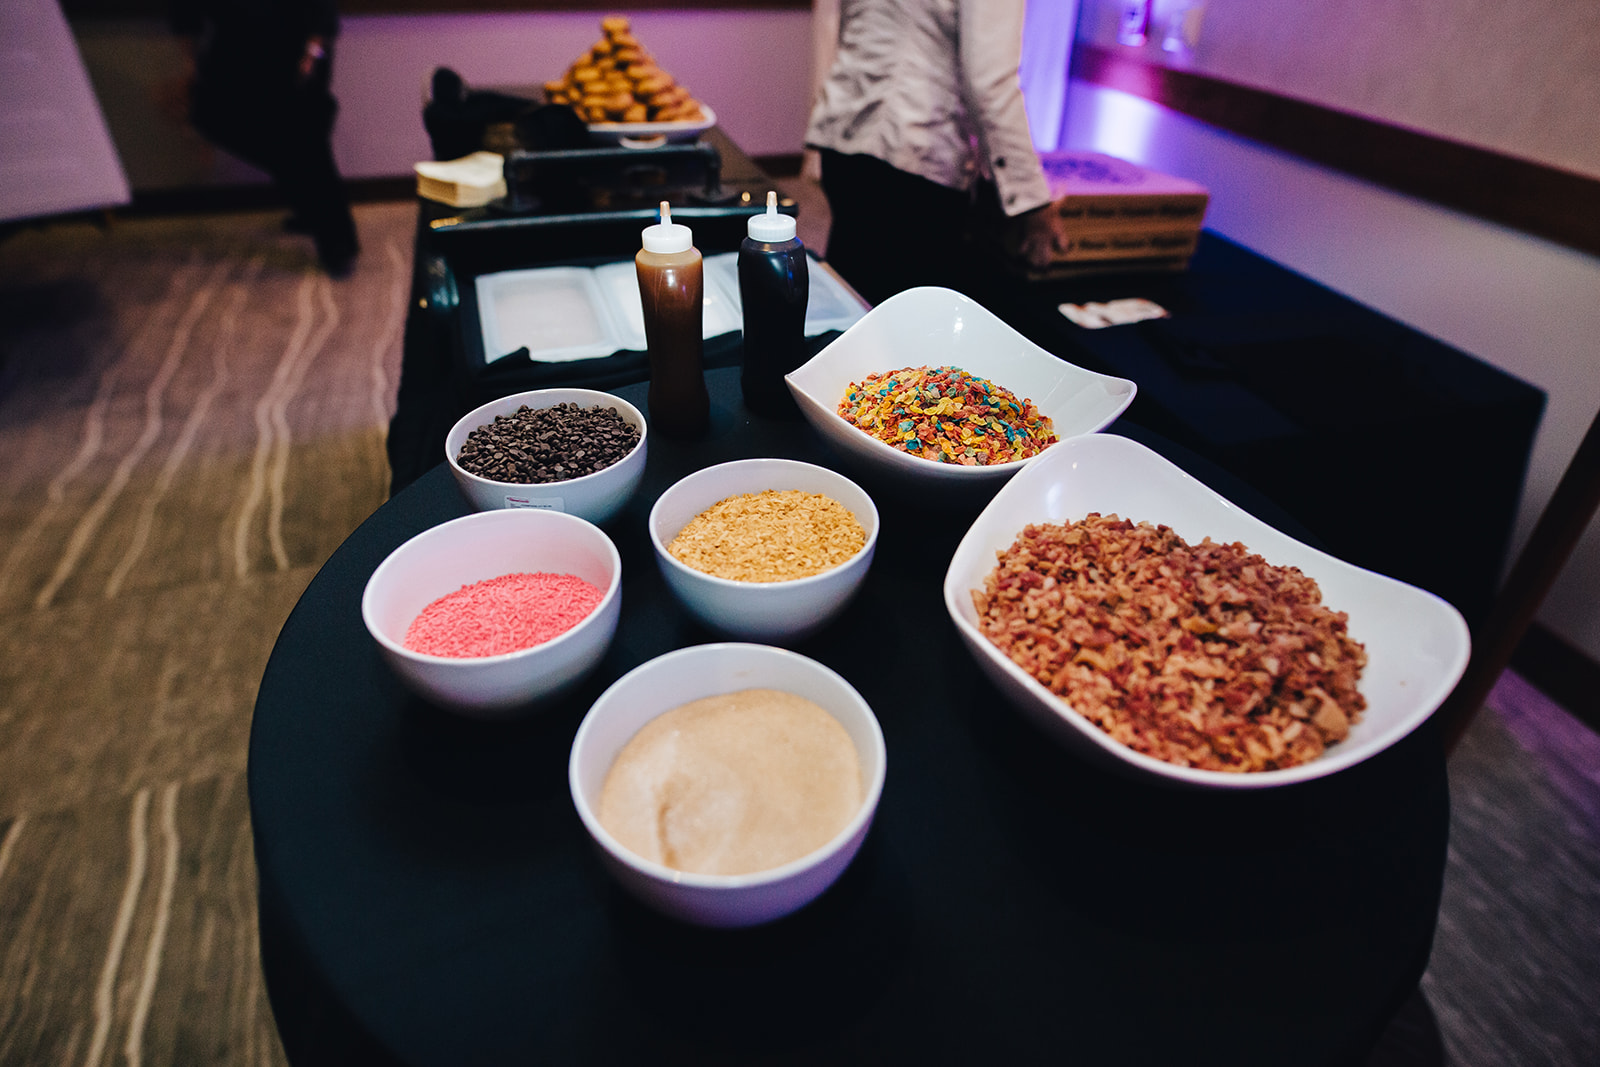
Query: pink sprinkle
point(502, 614)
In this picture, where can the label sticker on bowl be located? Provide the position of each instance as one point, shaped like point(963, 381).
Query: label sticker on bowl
point(543, 503)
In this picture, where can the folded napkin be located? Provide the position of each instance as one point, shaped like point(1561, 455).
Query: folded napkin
point(470, 181)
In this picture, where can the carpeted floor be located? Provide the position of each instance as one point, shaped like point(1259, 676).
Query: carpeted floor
point(1515, 972)
point(192, 419)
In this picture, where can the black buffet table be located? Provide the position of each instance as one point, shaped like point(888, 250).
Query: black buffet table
point(428, 895)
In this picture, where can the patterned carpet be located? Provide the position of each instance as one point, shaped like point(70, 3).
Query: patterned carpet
point(192, 419)
point(1515, 972)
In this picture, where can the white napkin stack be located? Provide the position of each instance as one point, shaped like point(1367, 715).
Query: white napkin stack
point(470, 181)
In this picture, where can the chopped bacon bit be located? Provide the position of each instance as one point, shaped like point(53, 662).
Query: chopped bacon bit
point(1202, 655)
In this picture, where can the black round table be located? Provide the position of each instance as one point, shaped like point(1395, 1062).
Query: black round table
point(428, 895)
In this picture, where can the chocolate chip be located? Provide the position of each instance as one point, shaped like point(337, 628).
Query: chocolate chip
point(531, 446)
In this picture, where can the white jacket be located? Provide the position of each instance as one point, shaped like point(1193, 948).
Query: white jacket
point(930, 87)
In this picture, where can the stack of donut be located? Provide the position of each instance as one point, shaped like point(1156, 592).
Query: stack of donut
point(617, 81)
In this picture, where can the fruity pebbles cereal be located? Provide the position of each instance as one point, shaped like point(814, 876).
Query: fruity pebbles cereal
point(947, 415)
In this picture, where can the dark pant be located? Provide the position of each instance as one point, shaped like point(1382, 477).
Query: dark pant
point(284, 126)
point(892, 230)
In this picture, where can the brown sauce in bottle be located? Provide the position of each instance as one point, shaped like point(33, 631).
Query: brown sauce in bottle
point(672, 292)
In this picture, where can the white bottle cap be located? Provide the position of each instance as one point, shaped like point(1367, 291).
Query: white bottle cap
point(667, 236)
point(771, 227)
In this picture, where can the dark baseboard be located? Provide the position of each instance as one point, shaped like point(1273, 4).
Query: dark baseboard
point(261, 196)
point(207, 199)
point(161, 8)
point(786, 165)
point(1561, 672)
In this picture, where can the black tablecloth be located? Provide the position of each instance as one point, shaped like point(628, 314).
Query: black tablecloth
point(429, 896)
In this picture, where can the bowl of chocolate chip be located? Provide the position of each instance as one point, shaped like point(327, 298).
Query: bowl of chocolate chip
point(578, 451)
point(728, 785)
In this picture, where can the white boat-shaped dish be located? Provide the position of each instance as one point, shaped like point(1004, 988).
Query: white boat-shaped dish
point(1417, 644)
point(930, 326)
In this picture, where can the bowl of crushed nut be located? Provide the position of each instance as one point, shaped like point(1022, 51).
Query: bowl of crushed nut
point(765, 550)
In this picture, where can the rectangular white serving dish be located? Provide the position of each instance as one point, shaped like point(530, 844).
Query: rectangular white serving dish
point(559, 313)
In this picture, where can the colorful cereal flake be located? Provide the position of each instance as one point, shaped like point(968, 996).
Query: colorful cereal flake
point(947, 415)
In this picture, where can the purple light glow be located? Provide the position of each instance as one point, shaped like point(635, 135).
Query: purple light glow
point(1047, 34)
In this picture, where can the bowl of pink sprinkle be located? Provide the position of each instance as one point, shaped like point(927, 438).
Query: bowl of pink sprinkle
point(494, 613)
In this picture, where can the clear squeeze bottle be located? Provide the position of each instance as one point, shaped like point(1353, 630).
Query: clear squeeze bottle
point(672, 290)
point(773, 288)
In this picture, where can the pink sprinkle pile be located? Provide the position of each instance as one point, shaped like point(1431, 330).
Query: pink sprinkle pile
point(502, 614)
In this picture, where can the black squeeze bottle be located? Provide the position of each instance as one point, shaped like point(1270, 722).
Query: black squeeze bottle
point(773, 288)
point(672, 292)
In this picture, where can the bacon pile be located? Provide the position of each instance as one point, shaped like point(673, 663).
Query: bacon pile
point(1201, 655)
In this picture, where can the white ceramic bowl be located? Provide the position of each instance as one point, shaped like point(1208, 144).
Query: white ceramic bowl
point(486, 545)
point(761, 611)
point(677, 678)
point(596, 497)
point(935, 327)
point(1417, 644)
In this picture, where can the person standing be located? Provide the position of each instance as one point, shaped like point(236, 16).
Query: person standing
point(260, 90)
point(920, 123)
